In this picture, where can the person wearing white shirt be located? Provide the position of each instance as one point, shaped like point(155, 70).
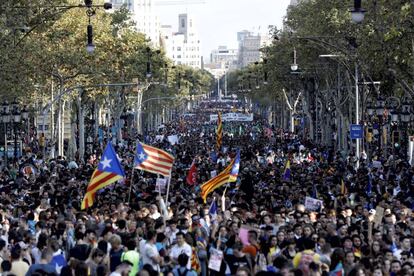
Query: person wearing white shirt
point(150, 255)
point(179, 248)
point(154, 214)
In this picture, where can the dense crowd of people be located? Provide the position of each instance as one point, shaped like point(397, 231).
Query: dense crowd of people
point(265, 224)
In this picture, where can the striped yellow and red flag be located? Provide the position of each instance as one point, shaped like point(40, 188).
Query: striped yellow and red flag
point(216, 182)
point(219, 132)
point(108, 171)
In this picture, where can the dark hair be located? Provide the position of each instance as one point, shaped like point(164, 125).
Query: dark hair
point(79, 235)
point(180, 234)
point(121, 223)
point(308, 243)
point(131, 244)
point(2, 244)
point(160, 237)
point(151, 234)
point(15, 253)
point(253, 232)
point(31, 216)
point(98, 252)
point(6, 266)
point(183, 259)
point(81, 269)
point(337, 256)
point(280, 262)
point(42, 241)
point(103, 245)
point(101, 270)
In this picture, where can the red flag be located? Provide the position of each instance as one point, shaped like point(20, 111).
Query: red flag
point(192, 174)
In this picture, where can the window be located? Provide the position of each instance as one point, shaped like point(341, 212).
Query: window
point(191, 23)
point(182, 23)
point(178, 48)
point(179, 56)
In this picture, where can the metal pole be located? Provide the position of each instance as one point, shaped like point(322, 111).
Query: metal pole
point(52, 124)
point(5, 144)
point(15, 141)
point(357, 111)
point(225, 83)
point(218, 88)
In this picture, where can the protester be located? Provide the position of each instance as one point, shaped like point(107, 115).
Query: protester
point(321, 214)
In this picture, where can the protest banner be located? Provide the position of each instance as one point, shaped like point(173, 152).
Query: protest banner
point(313, 204)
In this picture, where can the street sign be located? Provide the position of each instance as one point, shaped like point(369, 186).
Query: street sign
point(356, 131)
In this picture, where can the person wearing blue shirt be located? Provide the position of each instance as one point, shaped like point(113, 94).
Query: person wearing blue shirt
point(182, 270)
point(44, 266)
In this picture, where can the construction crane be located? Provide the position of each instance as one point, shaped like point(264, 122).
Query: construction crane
point(180, 2)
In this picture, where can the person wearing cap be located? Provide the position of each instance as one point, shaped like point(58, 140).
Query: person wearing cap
point(181, 247)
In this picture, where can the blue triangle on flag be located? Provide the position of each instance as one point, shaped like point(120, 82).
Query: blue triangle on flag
point(109, 162)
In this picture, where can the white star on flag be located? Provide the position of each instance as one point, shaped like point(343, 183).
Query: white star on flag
point(106, 163)
point(141, 156)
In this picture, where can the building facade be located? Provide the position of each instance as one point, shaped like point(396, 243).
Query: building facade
point(249, 46)
point(145, 17)
point(223, 55)
point(183, 46)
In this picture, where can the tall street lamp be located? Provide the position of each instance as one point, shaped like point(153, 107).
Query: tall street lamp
point(294, 65)
point(5, 118)
point(16, 115)
point(357, 12)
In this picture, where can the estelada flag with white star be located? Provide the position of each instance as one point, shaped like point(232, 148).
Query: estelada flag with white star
point(235, 169)
point(108, 171)
point(153, 160)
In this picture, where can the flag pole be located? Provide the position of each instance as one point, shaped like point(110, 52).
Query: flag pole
point(168, 190)
point(130, 186)
point(159, 187)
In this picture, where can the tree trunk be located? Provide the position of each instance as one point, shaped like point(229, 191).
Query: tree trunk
point(72, 142)
point(81, 128)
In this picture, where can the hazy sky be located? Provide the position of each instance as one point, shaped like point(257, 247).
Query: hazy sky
point(218, 21)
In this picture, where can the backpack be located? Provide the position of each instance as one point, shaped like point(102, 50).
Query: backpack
point(182, 274)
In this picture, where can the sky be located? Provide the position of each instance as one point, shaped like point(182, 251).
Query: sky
point(218, 21)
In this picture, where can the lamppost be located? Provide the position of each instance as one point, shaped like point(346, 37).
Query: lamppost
point(5, 118)
point(357, 12)
point(12, 113)
point(16, 116)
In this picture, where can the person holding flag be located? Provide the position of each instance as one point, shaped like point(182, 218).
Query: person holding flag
point(235, 169)
point(213, 212)
point(229, 174)
point(192, 174)
point(219, 132)
point(287, 173)
point(109, 170)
